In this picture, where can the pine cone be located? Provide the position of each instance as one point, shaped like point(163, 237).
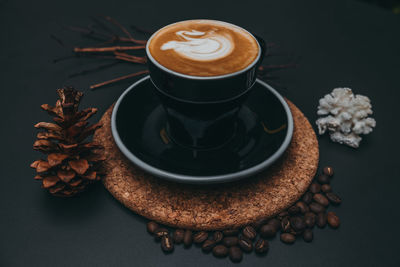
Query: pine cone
point(72, 162)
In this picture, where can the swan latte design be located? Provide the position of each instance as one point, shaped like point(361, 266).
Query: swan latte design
point(201, 46)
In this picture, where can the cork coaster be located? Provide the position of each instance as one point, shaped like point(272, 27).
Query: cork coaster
point(218, 206)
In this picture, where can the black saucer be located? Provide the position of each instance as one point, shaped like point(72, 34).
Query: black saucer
point(263, 133)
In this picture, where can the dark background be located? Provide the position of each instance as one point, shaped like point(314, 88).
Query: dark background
point(337, 43)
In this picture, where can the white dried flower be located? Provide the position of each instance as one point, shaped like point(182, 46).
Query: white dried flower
point(346, 116)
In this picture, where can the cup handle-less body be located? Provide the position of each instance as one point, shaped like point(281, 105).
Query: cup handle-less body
point(200, 124)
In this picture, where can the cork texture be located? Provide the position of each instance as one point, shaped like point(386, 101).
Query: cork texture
point(213, 207)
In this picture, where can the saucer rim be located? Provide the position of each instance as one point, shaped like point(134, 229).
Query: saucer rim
point(192, 179)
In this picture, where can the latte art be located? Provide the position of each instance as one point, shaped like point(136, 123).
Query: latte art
point(203, 48)
point(207, 46)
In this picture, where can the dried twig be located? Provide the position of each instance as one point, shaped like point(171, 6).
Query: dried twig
point(108, 49)
point(95, 86)
point(116, 23)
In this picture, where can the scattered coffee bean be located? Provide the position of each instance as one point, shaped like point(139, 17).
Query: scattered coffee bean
point(333, 198)
point(326, 188)
point(178, 236)
point(245, 244)
point(235, 254)
point(166, 243)
point(303, 207)
point(288, 238)
point(333, 219)
point(187, 238)
point(249, 232)
point(200, 237)
point(160, 232)
point(260, 222)
point(218, 236)
point(316, 207)
point(297, 224)
point(231, 232)
point(321, 199)
point(323, 179)
point(268, 230)
point(283, 215)
point(208, 245)
point(285, 224)
point(230, 241)
point(261, 246)
point(328, 171)
point(315, 188)
point(220, 251)
point(275, 223)
point(321, 220)
point(309, 219)
point(307, 198)
point(293, 210)
point(152, 227)
point(308, 235)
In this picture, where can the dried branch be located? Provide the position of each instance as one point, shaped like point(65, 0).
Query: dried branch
point(95, 86)
point(108, 49)
point(116, 23)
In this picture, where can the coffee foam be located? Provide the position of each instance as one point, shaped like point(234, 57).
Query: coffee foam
point(203, 47)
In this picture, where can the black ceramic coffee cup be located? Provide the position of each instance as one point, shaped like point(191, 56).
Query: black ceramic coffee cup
point(202, 111)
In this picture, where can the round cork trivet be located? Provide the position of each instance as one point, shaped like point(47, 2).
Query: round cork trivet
point(213, 207)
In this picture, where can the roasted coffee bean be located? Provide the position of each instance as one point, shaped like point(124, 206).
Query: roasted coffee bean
point(218, 236)
point(152, 227)
point(178, 236)
point(297, 224)
point(321, 220)
point(333, 198)
point(303, 207)
point(293, 210)
point(208, 245)
point(200, 237)
point(328, 171)
point(308, 235)
point(220, 251)
point(288, 238)
point(235, 254)
point(333, 219)
point(326, 188)
point(230, 241)
point(187, 238)
point(316, 207)
point(268, 230)
point(166, 243)
point(249, 232)
point(260, 222)
point(315, 188)
point(160, 232)
point(309, 219)
point(230, 232)
point(321, 199)
point(285, 224)
point(323, 179)
point(283, 214)
point(275, 223)
point(261, 246)
point(307, 198)
point(245, 244)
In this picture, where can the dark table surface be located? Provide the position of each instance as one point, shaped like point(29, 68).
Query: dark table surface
point(337, 43)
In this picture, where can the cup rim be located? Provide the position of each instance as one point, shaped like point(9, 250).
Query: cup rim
point(193, 77)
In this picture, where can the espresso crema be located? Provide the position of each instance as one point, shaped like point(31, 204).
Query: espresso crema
point(203, 48)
